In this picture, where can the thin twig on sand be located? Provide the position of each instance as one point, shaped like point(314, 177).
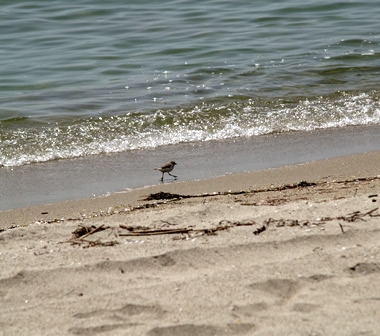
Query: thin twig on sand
point(341, 227)
point(91, 232)
point(223, 225)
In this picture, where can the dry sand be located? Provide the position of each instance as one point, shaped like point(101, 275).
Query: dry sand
point(272, 256)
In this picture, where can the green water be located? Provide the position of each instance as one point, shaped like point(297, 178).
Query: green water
point(86, 77)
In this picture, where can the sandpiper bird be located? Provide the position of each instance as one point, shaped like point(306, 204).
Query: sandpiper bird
point(167, 169)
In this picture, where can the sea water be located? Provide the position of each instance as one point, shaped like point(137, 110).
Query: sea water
point(88, 77)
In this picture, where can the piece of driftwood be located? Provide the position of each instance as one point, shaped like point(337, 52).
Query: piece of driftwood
point(156, 232)
point(92, 243)
point(9, 228)
point(301, 184)
point(134, 228)
point(341, 228)
point(164, 196)
point(259, 230)
point(357, 215)
point(371, 213)
point(304, 184)
point(82, 231)
point(223, 225)
point(290, 222)
point(91, 232)
point(281, 223)
point(211, 231)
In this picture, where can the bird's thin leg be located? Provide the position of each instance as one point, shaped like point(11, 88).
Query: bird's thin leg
point(173, 175)
point(162, 178)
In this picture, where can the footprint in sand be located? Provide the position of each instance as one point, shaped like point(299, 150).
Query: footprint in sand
point(364, 268)
point(305, 307)
point(250, 309)
point(99, 329)
point(124, 313)
point(285, 289)
point(281, 288)
point(203, 330)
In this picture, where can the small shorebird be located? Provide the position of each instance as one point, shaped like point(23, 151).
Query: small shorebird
point(167, 169)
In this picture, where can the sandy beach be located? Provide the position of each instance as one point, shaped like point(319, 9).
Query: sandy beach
point(285, 251)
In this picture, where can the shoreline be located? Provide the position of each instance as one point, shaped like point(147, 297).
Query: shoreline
point(75, 179)
point(343, 168)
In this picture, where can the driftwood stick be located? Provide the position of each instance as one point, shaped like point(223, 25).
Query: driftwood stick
point(91, 232)
point(155, 232)
point(173, 231)
point(370, 212)
point(341, 227)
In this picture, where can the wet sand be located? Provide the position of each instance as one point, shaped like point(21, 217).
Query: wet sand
point(64, 180)
point(292, 250)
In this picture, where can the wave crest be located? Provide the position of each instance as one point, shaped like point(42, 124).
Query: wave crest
point(214, 119)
